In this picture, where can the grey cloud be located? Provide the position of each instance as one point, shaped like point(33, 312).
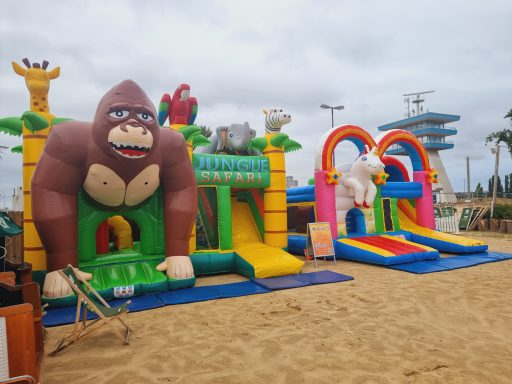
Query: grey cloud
point(240, 57)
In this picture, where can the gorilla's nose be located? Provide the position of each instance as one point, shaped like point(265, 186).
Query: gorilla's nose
point(133, 124)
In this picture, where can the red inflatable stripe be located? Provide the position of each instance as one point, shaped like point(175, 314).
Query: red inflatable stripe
point(390, 245)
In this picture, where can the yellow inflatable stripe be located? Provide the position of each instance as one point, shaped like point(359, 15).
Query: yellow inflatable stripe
point(269, 261)
point(407, 225)
point(366, 247)
point(408, 209)
point(266, 260)
point(37, 258)
point(399, 239)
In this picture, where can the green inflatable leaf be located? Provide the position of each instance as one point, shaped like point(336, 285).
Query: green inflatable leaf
point(291, 145)
point(279, 139)
point(257, 144)
point(11, 125)
point(199, 140)
point(17, 149)
point(188, 130)
point(59, 120)
point(34, 122)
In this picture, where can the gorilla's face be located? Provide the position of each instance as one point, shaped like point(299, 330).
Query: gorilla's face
point(130, 137)
point(125, 123)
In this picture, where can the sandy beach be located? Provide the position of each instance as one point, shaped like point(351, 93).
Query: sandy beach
point(383, 327)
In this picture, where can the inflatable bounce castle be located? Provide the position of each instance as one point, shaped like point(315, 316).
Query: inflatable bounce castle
point(377, 212)
point(126, 200)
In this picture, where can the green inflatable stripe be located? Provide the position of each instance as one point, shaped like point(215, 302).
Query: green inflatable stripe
point(148, 217)
point(208, 263)
point(242, 267)
point(224, 214)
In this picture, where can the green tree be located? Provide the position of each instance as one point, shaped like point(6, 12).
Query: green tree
point(479, 190)
point(499, 190)
point(507, 185)
point(503, 136)
point(489, 185)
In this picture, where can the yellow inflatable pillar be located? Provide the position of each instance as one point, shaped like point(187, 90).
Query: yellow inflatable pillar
point(274, 205)
point(121, 231)
point(37, 79)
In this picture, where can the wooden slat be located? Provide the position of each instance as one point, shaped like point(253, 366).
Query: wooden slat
point(14, 245)
point(20, 339)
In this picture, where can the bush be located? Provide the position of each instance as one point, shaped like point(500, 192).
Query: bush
point(501, 211)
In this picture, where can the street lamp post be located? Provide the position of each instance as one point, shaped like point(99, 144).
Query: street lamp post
point(495, 151)
point(338, 107)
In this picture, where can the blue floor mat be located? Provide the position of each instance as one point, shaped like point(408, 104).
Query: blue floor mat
point(240, 289)
point(61, 316)
point(450, 263)
point(302, 280)
point(188, 295)
point(139, 303)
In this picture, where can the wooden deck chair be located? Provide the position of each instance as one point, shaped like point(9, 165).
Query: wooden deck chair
point(106, 314)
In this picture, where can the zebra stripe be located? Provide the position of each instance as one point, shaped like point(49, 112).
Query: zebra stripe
point(275, 119)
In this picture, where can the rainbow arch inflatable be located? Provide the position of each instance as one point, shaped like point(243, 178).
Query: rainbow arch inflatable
point(400, 225)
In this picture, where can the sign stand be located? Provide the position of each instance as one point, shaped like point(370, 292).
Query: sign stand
point(319, 242)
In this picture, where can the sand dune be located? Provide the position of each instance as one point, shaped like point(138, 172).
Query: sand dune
point(384, 327)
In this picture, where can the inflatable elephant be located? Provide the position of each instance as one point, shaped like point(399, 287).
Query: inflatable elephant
point(230, 140)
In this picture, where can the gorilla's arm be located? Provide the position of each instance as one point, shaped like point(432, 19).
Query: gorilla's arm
point(180, 193)
point(55, 185)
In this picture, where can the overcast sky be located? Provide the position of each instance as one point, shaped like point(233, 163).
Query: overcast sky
point(242, 56)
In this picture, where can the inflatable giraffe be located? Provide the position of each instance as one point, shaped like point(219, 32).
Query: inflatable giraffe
point(36, 127)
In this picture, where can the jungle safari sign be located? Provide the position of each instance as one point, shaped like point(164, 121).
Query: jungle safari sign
point(319, 242)
point(236, 171)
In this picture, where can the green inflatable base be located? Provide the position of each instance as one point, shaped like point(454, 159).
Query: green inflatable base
point(142, 276)
point(122, 269)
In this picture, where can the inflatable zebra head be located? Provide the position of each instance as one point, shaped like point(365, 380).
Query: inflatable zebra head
point(275, 118)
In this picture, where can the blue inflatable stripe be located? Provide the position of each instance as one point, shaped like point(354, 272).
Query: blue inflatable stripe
point(300, 198)
point(297, 244)
point(305, 190)
point(402, 190)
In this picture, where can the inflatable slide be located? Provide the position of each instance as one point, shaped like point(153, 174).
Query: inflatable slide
point(253, 257)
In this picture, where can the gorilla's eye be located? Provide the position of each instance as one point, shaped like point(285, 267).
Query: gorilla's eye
point(144, 116)
point(119, 114)
point(231, 134)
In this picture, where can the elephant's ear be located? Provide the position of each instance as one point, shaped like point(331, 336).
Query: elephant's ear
point(253, 133)
point(222, 134)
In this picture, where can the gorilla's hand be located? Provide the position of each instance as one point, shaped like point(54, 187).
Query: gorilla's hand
point(55, 285)
point(177, 267)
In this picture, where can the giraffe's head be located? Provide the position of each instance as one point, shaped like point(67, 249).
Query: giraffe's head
point(37, 79)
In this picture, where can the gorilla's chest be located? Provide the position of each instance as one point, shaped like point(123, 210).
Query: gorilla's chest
point(106, 187)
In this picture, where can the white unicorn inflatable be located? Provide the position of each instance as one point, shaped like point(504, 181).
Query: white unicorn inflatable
point(358, 180)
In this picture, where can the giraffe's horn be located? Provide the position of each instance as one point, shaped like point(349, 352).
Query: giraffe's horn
point(45, 64)
point(26, 62)
point(36, 65)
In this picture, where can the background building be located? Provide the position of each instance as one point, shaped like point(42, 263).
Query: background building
point(431, 129)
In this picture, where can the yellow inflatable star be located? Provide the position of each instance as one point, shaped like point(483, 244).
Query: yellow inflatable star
point(332, 176)
point(432, 176)
point(380, 178)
